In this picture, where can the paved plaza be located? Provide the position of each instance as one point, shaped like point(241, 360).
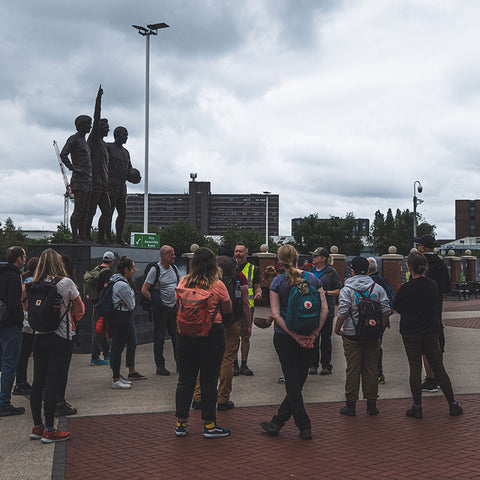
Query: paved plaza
point(130, 434)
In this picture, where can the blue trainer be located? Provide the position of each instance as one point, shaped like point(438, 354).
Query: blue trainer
point(98, 361)
point(212, 430)
point(181, 430)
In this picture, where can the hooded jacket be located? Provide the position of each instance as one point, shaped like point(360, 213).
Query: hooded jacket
point(348, 300)
point(11, 295)
point(122, 292)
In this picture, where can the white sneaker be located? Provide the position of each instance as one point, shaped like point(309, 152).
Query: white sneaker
point(120, 384)
point(125, 380)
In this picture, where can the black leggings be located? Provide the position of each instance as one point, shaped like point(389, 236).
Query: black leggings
point(27, 347)
point(119, 324)
point(50, 355)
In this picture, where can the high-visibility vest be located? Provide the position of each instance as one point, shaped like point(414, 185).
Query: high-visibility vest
point(248, 272)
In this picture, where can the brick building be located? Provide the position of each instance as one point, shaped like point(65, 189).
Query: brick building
point(467, 218)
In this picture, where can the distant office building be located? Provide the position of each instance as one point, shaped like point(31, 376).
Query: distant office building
point(467, 218)
point(210, 213)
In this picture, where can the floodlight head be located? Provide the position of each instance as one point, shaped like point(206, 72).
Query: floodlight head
point(141, 30)
point(193, 176)
point(156, 26)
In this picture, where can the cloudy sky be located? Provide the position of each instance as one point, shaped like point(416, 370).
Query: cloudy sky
point(337, 106)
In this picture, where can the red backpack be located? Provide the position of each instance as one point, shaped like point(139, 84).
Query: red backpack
point(193, 319)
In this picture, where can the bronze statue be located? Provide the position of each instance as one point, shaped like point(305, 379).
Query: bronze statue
point(120, 171)
point(100, 160)
point(81, 181)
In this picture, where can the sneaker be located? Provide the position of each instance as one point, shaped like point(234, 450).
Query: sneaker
point(415, 412)
point(455, 409)
point(212, 431)
point(181, 429)
point(11, 410)
point(244, 370)
point(120, 384)
point(106, 358)
point(221, 407)
point(281, 380)
point(326, 371)
point(196, 405)
point(429, 385)
point(271, 428)
point(136, 376)
point(162, 371)
point(54, 436)
point(22, 390)
point(98, 361)
point(37, 433)
point(381, 380)
point(236, 370)
point(312, 371)
point(125, 380)
point(64, 408)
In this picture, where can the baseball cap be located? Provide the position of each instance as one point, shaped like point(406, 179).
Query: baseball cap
point(108, 257)
point(320, 252)
point(359, 265)
point(425, 240)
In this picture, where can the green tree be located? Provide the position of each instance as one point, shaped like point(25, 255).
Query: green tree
point(62, 235)
point(252, 238)
point(9, 236)
point(181, 235)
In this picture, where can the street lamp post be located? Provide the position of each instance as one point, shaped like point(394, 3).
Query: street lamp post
point(266, 217)
point(146, 32)
point(416, 201)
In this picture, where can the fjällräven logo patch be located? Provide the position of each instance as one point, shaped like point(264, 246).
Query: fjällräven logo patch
point(307, 305)
point(38, 303)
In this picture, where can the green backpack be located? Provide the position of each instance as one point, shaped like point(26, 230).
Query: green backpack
point(90, 283)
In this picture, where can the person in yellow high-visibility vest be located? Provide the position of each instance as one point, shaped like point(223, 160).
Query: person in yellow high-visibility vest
point(254, 293)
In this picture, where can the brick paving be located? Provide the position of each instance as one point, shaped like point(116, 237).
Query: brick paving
point(391, 445)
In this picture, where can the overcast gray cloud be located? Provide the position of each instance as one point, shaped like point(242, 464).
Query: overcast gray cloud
point(337, 106)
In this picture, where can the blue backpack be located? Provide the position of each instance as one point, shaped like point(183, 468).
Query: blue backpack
point(304, 305)
point(104, 307)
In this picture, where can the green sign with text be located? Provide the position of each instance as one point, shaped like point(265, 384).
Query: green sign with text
point(145, 240)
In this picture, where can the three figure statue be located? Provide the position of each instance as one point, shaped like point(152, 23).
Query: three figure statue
point(100, 171)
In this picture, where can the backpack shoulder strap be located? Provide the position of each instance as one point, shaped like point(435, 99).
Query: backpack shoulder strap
point(157, 273)
point(175, 269)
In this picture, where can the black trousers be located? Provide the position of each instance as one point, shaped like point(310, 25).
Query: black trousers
point(119, 324)
point(27, 348)
point(322, 348)
point(50, 355)
point(204, 354)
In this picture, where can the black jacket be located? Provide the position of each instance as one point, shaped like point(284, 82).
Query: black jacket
point(438, 272)
point(11, 295)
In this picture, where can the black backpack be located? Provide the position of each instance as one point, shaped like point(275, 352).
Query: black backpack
point(370, 323)
point(145, 303)
point(104, 307)
point(44, 304)
point(230, 279)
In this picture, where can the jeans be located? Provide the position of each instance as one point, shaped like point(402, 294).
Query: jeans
point(50, 355)
point(295, 361)
point(429, 345)
point(27, 348)
point(120, 324)
point(131, 344)
point(204, 354)
point(11, 344)
point(322, 348)
point(362, 358)
point(164, 320)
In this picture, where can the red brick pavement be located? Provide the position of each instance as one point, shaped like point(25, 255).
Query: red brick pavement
point(390, 445)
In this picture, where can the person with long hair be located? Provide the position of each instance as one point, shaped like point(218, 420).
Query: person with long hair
point(51, 349)
point(294, 348)
point(120, 322)
point(205, 353)
point(417, 302)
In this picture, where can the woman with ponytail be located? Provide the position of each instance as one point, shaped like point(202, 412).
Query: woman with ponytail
point(294, 348)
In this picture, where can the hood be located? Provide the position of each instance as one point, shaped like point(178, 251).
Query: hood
point(359, 282)
point(116, 276)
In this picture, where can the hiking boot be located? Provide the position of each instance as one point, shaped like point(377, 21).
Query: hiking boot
point(244, 370)
point(312, 371)
point(455, 409)
point(306, 434)
point(22, 390)
point(196, 405)
point(212, 431)
point(162, 371)
point(54, 436)
point(348, 409)
point(236, 370)
point(119, 385)
point(372, 407)
point(429, 385)
point(326, 371)
point(136, 376)
point(11, 410)
point(221, 407)
point(271, 428)
point(181, 429)
point(37, 433)
point(64, 408)
point(94, 362)
point(381, 380)
point(415, 411)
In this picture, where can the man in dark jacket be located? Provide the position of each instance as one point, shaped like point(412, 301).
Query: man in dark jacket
point(438, 272)
point(11, 322)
